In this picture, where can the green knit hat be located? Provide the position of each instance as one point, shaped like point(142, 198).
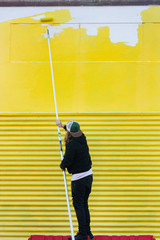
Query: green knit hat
point(72, 126)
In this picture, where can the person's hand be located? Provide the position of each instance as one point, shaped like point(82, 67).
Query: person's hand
point(59, 124)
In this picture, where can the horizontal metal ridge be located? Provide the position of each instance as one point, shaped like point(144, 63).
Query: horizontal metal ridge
point(104, 200)
point(101, 121)
point(48, 230)
point(78, 114)
point(47, 184)
point(44, 219)
point(50, 224)
point(99, 147)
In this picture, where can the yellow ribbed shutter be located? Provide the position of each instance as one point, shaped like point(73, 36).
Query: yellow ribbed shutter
point(125, 150)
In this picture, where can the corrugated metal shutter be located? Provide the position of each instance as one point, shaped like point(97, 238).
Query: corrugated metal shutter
point(125, 151)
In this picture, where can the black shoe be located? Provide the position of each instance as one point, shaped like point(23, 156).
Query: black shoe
point(90, 236)
point(75, 236)
point(79, 237)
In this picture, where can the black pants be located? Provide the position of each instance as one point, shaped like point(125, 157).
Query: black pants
point(80, 193)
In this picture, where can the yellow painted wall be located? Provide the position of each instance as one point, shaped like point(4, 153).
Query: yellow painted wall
point(92, 74)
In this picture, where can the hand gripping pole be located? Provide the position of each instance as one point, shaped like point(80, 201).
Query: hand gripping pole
point(59, 136)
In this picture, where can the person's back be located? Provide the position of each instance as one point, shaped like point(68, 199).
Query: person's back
point(77, 155)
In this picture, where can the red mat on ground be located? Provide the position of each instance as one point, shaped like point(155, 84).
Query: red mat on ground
point(98, 237)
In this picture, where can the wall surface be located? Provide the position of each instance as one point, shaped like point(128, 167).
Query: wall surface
point(105, 59)
point(106, 63)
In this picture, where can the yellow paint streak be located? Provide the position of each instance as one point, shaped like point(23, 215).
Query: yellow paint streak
point(92, 74)
point(58, 16)
point(151, 14)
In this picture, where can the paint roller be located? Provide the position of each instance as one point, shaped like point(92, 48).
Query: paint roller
point(47, 19)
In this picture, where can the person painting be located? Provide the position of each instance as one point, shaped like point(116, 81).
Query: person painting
point(78, 162)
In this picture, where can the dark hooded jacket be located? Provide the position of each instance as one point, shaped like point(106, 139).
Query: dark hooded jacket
point(77, 158)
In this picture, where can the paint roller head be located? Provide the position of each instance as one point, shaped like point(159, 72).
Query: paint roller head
point(46, 19)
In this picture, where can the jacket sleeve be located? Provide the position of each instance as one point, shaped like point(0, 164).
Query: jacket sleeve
point(68, 156)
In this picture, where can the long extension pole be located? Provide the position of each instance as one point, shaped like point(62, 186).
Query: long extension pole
point(59, 136)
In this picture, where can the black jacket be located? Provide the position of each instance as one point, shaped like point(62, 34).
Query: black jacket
point(77, 158)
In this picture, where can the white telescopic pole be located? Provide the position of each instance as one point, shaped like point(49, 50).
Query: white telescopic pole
point(59, 136)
